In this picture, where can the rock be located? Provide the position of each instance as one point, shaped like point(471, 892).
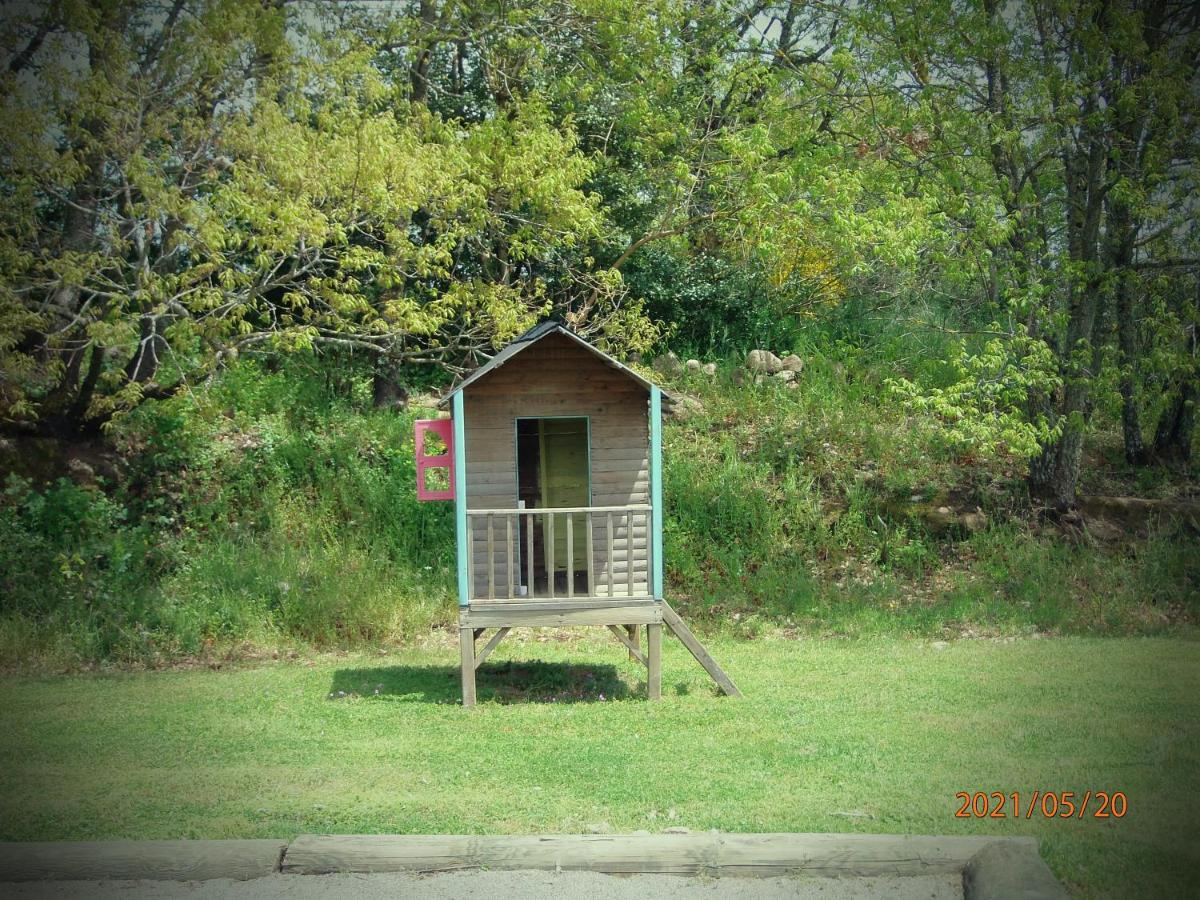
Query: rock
point(598, 828)
point(792, 385)
point(759, 379)
point(784, 375)
point(974, 522)
point(681, 407)
point(81, 473)
point(709, 369)
point(763, 361)
point(668, 365)
point(693, 365)
point(793, 363)
point(739, 377)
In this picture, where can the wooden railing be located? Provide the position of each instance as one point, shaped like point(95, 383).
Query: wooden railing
point(496, 536)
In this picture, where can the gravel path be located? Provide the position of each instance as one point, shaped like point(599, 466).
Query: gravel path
point(493, 885)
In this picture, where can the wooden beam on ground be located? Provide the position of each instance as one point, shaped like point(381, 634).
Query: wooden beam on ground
point(491, 645)
point(130, 860)
point(671, 620)
point(674, 854)
point(635, 652)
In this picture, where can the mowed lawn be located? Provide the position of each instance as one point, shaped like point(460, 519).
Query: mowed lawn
point(871, 736)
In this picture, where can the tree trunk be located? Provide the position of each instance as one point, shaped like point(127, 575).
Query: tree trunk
point(419, 72)
point(388, 391)
point(1173, 438)
point(1177, 424)
point(1119, 256)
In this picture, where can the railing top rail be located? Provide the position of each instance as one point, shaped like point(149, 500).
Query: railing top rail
point(511, 511)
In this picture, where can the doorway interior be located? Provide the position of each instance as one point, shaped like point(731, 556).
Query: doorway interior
point(553, 471)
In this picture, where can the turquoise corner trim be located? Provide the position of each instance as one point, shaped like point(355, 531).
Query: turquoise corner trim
point(656, 502)
point(460, 500)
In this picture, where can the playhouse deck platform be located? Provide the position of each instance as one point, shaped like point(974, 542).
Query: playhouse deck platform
point(623, 617)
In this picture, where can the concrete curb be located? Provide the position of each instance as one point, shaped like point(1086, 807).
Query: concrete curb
point(1006, 871)
point(991, 868)
point(151, 860)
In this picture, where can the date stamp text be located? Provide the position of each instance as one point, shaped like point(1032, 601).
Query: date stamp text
point(1041, 804)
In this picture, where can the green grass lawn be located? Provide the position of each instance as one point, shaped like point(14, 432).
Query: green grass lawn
point(869, 735)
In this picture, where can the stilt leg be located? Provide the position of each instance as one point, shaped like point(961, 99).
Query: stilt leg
point(654, 662)
point(466, 646)
point(632, 631)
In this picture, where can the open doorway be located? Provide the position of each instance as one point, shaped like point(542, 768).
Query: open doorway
point(553, 471)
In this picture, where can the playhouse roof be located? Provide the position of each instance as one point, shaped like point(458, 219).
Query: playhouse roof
point(527, 340)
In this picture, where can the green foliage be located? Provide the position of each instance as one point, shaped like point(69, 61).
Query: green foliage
point(273, 509)
point(985, 409)
point(267, 510)
point(72, 563)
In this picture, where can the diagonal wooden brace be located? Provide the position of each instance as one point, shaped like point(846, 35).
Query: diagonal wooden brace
point(491, 645)
point(634, 650)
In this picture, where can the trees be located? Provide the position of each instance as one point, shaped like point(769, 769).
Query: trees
point(416, 182)
point(192, 180)
point(1075, 123)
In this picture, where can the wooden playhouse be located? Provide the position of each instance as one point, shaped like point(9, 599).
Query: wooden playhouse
point(553, 457)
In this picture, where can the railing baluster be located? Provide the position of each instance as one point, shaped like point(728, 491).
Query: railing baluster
point(491, 562)
point(508, 559)
point(529, 553)
point(570, 555)
point(591, 572)
point(629, 550)
point(608, 560)
point(548, 537)
point(471, 520)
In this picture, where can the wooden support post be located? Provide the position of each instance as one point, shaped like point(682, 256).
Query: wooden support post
point(466, 649)
point(653, 662)
point(634, 638)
